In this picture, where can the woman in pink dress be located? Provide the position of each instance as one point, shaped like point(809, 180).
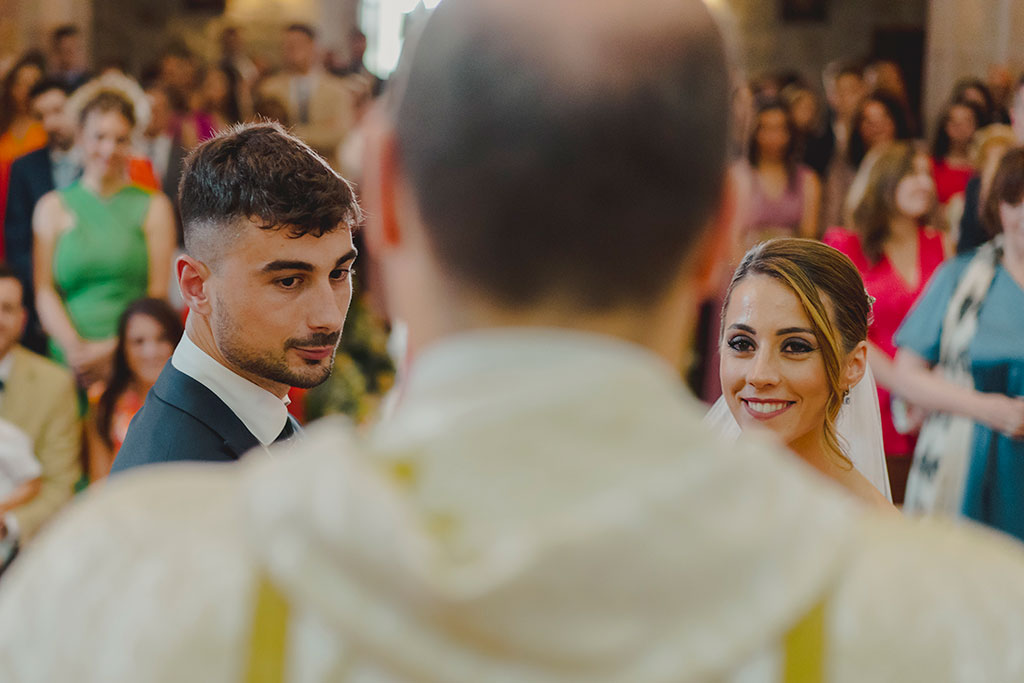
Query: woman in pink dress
point(896, 253)
point(215, 109)
point(785, 194)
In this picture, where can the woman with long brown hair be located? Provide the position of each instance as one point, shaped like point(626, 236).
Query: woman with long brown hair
point(785, 194)
point(147, 333)
point(20, 133)
point(794, 362)
point(896, 252)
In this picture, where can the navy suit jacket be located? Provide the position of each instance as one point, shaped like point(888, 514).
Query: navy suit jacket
point(183, 420)
point(31, 177)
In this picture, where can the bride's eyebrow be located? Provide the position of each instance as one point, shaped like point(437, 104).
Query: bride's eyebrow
point(793, 330)
point(743, 328)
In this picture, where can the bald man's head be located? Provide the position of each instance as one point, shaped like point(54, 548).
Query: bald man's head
point(569, 149)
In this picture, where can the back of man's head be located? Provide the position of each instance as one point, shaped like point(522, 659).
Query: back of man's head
point(261, 174)
point(565, 149)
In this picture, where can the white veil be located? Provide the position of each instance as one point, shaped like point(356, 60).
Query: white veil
point(859, 427)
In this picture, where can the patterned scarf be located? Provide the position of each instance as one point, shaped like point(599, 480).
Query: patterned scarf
point(939, 470)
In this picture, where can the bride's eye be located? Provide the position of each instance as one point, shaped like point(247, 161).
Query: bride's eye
point(741, 344)
point(797, 346)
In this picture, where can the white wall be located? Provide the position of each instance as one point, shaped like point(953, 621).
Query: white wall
point(769, 44)
point(27, 24)
point(964, 38)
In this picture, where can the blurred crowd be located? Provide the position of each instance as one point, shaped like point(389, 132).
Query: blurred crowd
point(90, 161)
point(851, 168)
point(548, 218)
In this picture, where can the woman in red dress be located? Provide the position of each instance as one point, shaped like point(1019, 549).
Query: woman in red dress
point(896, 253)
point(951, 151)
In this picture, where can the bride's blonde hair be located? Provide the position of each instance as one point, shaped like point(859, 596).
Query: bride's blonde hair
point(832, 295)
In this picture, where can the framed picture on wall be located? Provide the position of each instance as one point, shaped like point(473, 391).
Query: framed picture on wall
point(803, 10)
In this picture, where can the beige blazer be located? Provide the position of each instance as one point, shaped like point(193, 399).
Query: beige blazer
point(40, 399)
point(332, 109)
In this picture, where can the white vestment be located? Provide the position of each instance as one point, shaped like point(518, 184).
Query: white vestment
point(542, 507)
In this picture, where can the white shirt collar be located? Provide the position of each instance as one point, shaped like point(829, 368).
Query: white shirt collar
point(260, 411)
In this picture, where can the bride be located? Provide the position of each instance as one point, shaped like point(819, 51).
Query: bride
point(794, 362)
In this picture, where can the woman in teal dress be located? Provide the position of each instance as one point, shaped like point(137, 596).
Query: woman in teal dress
point(961, 356)
point(100, 243)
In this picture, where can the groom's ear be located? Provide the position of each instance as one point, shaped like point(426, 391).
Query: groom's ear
point(856, 365)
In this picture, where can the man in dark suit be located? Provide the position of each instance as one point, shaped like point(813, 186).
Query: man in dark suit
point(162, 141)
point(70, 64)
point(55, 166)
point(268, 241)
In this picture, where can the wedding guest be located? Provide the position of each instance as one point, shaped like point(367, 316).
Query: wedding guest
point(147, 333)
point(881, 120)
point(100, 243)
point(786, 193)
point(975, 91)
point(321, 106)
point(815, 141)
point(70, 62)
point(990, 144)
point(952, 165)
point(896, 252)
point(20, 132)
point(216, 107)
point(844, 91)
point(961, 359)
point(54, 166)
point(37, 396)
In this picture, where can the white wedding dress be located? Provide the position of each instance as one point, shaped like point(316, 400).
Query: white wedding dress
point(859, 427)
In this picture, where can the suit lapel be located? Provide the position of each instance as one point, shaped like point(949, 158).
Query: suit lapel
point(185, 393)
point(46, 164)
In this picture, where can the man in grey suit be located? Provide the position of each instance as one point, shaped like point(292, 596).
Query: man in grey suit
point(265, 275)
point(321, 106)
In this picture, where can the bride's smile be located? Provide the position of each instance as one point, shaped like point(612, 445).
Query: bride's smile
point(765, 409)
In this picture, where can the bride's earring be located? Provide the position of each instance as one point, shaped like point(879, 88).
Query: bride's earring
point(846, 397)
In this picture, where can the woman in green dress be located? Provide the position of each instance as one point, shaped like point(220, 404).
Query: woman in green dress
point(99, 244)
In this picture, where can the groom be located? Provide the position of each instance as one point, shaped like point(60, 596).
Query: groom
point(265, 275)
point(547, 194)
